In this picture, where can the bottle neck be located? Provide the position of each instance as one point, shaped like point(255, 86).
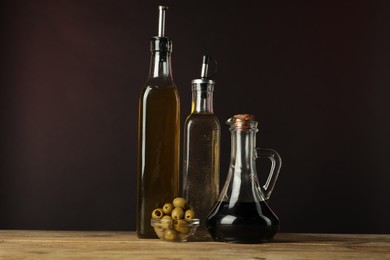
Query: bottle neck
point(243, 174)
point(243, 149)
point(202, 101)
point(160, 65)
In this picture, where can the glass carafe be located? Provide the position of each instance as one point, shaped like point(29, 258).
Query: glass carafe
point(241, 214)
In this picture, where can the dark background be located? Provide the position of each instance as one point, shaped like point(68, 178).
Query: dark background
point(315, 74)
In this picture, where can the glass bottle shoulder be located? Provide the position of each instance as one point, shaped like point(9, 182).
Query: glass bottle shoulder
point(159, 83)
point(203, 120)
point(159, 88)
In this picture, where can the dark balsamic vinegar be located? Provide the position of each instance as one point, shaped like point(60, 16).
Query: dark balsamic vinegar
point(241, 214)
point(244, 222)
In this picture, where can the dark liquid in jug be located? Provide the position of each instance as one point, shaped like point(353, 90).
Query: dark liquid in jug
point(245, 222)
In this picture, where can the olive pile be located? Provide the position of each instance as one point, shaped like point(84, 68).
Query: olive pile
point(173, 221)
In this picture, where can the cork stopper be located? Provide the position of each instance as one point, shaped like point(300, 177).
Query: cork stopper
point(242, 122)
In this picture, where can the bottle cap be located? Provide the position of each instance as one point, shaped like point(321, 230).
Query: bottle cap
point(162, 44)
point(242, 122)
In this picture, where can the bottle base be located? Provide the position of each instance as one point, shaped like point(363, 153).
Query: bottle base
point(244, 235)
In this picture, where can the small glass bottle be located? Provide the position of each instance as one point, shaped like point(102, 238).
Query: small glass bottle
point(241, 214)
point(201, 151)
point(158, 134)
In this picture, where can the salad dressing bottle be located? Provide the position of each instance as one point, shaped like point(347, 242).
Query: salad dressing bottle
point(201, 151)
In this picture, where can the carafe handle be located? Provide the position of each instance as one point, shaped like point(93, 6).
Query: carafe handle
point(276, 163)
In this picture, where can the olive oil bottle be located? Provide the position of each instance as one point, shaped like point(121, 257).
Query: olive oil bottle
point(158, 134)
point(201, 151)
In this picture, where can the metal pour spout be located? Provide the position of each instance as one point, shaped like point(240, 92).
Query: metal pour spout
point(205, 66)
point(161, 20)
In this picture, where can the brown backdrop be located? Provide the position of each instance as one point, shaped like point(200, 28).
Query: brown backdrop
point(316, 75)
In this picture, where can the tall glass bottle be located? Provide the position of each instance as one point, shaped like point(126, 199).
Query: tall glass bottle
point(201, 151)
point(158, 134)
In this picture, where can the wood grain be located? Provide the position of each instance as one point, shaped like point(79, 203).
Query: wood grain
point(21, 244)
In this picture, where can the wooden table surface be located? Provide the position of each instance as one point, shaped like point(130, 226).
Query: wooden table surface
point(22, 244)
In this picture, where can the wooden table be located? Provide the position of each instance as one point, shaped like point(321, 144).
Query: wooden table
point(21, 244)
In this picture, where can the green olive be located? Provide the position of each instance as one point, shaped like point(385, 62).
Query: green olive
point(167, 217)
point(179, 203)
point(166, 222)
point(183, 229)
point(181, 222)
point(181, 226)
point(170, 234)
point(157, 213)
point(177, 213)
point(189, 215)
point(167, 208)
point(158, 227)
